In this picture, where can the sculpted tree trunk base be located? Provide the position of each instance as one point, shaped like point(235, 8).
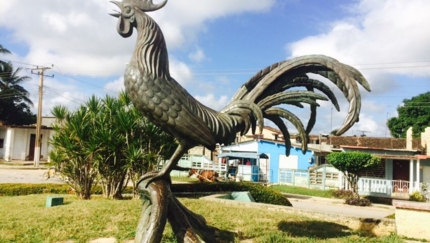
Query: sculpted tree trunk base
point(160, 205)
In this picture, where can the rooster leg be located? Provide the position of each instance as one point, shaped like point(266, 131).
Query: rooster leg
point(148, 178)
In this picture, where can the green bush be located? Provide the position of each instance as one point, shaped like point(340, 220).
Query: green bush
point(27, 189)
point(362, 202)
point(416, 196)
point(342, 194)
point(260, 193)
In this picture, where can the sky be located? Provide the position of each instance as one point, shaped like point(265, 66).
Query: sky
point(217, 45)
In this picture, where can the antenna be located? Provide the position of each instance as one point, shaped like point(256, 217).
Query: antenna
point(363, 133)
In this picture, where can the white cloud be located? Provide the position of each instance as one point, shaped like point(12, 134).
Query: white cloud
point(180, 72)
point(115, 86)
point(81, 38)
point(382, 39)
point(216, 103)
point(377, 37)
point(198, 55)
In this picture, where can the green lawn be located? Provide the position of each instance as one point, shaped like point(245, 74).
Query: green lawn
point(26, 219)
point(303, 191)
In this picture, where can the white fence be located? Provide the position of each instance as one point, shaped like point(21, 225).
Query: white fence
point(326, 177)
point(199, 162)
point(323, 177)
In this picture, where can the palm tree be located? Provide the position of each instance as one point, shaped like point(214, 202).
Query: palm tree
point(4, 50)
point(14, 98)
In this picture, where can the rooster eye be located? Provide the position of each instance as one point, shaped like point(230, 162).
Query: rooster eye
point(128, 11)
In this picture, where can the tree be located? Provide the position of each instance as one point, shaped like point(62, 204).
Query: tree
point(353, 165)
point(75, 150)
point(415, 113)
point(106, 139)
point(4, 50)
point(15, 106)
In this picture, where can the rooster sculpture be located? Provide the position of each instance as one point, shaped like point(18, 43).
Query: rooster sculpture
point(165, 103)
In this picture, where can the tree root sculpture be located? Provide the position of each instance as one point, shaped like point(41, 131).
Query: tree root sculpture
point(160, 204)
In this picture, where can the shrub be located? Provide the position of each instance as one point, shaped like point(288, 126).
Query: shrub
point(260, 193)
point(355, 201)
point(416, 196)
point(342, 194)
point(27, 189)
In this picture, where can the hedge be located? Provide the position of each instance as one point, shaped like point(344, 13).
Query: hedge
point(260, 193)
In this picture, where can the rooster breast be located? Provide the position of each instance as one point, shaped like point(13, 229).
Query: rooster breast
point(166, 104)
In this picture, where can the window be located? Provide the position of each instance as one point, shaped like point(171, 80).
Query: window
point(1, 142)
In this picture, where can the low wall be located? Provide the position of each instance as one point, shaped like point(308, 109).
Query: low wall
point(412, 219)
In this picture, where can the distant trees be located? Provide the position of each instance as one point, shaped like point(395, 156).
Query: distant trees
point(415, 113)
point(106, 141)
point(353, 165)
point(15, 106)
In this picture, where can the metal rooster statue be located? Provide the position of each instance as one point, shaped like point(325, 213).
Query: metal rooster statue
point(165, 103)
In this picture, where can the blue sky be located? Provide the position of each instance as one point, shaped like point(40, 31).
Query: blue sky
point(216, 45)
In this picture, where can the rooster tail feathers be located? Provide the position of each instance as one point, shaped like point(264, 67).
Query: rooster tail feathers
point(271, 86)
point(249, 112)
point(282, 113)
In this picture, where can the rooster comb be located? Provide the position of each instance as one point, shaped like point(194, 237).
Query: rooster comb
point(148, 5)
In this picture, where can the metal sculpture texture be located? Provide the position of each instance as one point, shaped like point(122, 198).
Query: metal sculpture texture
point(165, 103)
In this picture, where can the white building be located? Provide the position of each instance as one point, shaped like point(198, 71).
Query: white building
point(18, 142)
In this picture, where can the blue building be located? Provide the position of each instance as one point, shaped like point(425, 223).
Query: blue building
point(266, 159)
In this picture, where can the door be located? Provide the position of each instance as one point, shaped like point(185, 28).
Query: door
point(401, 170)
point(32, 146)
point(401, 176)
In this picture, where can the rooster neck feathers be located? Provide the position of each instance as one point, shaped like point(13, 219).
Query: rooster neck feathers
point(150, 53)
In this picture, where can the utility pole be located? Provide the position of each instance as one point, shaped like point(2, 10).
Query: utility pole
point(38, 142)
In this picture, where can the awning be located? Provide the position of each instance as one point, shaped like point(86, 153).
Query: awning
point(240, 155)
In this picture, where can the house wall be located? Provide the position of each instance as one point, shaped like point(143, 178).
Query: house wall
point(388, 169)
point(21, 143)
point(277, 158)
point(2, 136)
point(425, 172)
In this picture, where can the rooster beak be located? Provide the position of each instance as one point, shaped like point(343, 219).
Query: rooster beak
point(117, 14)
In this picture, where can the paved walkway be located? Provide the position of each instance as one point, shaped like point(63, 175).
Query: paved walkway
point(337, 206)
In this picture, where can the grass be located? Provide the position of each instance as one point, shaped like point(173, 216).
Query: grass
point(304, 191)
point(184, 179)
point(25, 219)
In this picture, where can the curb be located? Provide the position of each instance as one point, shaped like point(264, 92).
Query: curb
point(21, 167)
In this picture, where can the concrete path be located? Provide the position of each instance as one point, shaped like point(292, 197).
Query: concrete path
point(337, 206)
point(32, 176)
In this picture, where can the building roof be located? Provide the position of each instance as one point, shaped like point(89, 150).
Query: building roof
point(238, 155)
point(389, 153)
point(377, 148)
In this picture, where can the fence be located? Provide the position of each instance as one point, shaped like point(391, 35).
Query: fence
point(198, 162)
point(322, 177)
